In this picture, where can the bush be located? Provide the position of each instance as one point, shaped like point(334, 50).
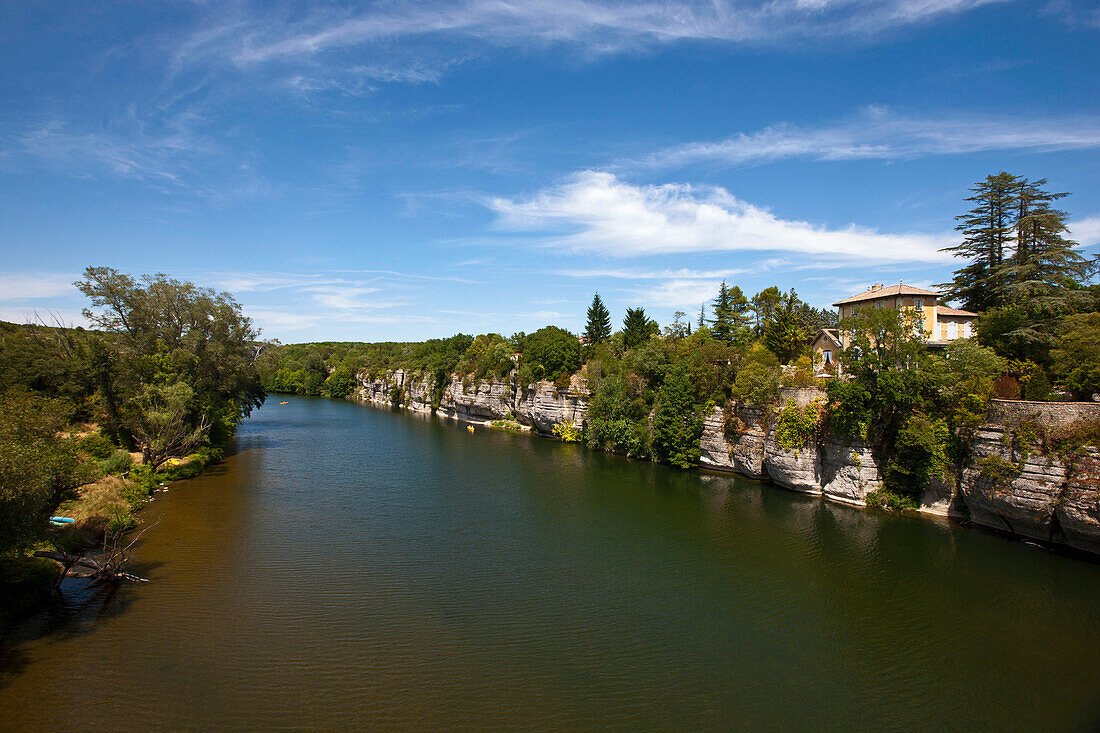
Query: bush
point(886, 499)
point(920, 454)
point(97, 445)
point(117, 464)
point(757, 385)
point(568, 432)
point(797, 425)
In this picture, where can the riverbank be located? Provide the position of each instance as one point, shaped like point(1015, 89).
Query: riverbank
point(108, 507)
point(1016, 478)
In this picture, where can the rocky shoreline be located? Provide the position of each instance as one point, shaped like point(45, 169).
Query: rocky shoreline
point(1039, 494)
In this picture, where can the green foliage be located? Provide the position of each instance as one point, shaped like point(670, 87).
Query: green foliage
point(919, 455)
point(638, 327)
point(117, 464)
point(731, 315)
point(489, 356)
point(783, 332)
point(26, 584)
point(551, 352)
point(568, 432)
point(677, 423)
point(1076, 358)
point(37, 467)
point(618, 415)
point(996, 472)
point(886, 499)
point(757, 383)
point(796, 426)
point(96, 445)
point(598, 327)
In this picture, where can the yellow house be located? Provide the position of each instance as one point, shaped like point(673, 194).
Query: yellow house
point(941, 324)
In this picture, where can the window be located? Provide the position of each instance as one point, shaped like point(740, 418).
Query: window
point(966, 330)
point(828, 354)
point(952, 330)
point(919, 304)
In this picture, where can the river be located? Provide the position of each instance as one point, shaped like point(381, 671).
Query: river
point(349, 567)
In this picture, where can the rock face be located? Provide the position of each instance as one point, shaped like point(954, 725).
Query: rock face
point(736, 447)
point(1018, 482)
point(540, 406)
point(1008, 486)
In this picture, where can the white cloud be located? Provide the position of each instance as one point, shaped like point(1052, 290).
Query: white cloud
point(27, 286)
point(881, 134)
point(634, 273)
point(686, 294)
point(595, 27)
point(1086, 231)
point(595, 212)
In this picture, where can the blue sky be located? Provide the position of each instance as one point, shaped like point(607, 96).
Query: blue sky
point(404, 170)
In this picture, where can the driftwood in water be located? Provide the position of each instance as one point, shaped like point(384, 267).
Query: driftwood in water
point(107, 567)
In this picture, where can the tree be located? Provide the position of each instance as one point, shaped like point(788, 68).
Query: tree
point(637, 327)
point(784, 334)
point(730, 314)
point(551, 352)
point(678, 329)
point(162, 332)
point(599, 322)
point(37, 466)
point(763, 303)
point(882, 338)
point(988, 231)
point(677, 424)
point(1076, 359)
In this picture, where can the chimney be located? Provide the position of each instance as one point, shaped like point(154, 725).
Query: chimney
point(876, 287)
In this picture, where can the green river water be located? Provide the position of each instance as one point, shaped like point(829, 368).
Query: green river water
point(352, 568)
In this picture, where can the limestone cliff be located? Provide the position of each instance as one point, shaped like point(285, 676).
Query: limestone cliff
point(1023, 479)
point(1009, 483)
point(539, 406)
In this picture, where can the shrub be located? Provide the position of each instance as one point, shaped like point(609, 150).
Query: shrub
point(97, 445)
point(1006, 387)
point(757, 385)
point(920, 454)
point(568, 432)
point(797, 425)
point(677, 425)
point(997, 472)
point(117, 464)
point(886, 499)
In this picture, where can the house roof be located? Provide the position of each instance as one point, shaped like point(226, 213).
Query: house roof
point(886, 292)
point(830, 333)
point(943, 310)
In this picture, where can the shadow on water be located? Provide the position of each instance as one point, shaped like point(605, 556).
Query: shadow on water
point(74, 612)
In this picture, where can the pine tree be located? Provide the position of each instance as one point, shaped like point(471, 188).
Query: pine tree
point(988, 232)
point(730, 314)
point(599, 322)
point(784, 334)
point(1043, 277)
point(702, 314)
point(637, 327)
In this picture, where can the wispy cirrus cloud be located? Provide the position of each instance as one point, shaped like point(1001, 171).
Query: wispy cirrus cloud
point(596, 212)
point(879, 133)
point(600, 26)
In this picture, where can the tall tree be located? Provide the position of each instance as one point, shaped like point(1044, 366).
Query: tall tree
point(988, 232)
point(784, 334)
point(637, 327)
point(167, 332)
point(763, 303)
point(599, 322)
point(677, 424)
point(730, 314)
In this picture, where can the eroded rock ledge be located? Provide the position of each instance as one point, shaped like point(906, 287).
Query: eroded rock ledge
point(1035, 492)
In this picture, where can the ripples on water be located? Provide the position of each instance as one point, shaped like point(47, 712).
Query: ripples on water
point(349, 567)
